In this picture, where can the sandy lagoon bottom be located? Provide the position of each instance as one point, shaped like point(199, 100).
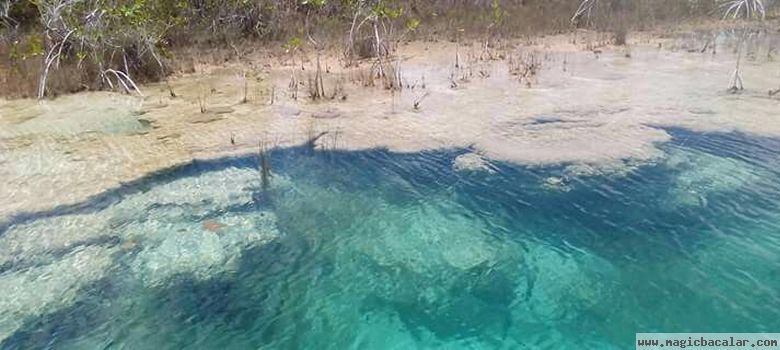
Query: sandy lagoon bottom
point(381, 250)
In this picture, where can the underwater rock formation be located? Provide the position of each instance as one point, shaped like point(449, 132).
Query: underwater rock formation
point(41, 290)
point(43, 240)
point(562, 285)
point(701, 174)
point(190, 249)
point(472, 162)
point(159, 232)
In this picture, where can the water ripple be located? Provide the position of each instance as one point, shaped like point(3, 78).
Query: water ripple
point(380, 250)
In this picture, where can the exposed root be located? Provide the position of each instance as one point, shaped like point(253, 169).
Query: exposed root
point(51, 57)
point(293, 86)
point(418, 101)
point(123, 79)
point(202, 101)
point(170, 89)
point(245, 98)
point(735, 84)
point(316, 85)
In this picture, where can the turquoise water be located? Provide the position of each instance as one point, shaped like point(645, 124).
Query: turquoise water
point(379, 250)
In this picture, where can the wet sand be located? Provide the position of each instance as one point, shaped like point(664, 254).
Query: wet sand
point(598, 108)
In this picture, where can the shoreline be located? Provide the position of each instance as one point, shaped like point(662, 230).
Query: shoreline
point(595, 107)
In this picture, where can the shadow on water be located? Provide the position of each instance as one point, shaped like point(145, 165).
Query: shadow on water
point(388, 250)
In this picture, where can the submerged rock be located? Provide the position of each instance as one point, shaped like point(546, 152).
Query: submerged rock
point(554, 183)
point(561, 286)
point(193, 250)
point(621, 167)
point(472, 162)
point(700, 174)
point(428, 240)
point(45, 239)
point(327, 114)
point(206, 118)
point(212, 226)
point(42, 290)
point(200, 194)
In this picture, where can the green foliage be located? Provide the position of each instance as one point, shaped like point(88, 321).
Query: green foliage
point(81, 55)
point(412, 24)
point(27, 48)
point(382, 10)
point(34, 46)
point(498, 15)
point(315, 3)
point(293, 43)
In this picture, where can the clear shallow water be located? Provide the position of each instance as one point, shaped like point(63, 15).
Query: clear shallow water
point(376, 250)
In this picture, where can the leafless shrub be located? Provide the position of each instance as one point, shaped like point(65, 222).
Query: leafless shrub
point(338, 91)
point(457, 56)
point(620, 35)
point(453, 83)
point(363, 77)
point(316, 86)
point(52, 57)
point(370, 20)
point(245, 87)
point(743, 8)
point(735, 84)
point(202, 100)
point(584, 10)
point(171, 93)
point(390, 75)
point(292, 87)
point(385, 73)
point(86, 31)
point(525, 67)
point(488, 54)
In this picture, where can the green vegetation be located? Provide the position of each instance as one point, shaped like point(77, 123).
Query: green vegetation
point(54, 46)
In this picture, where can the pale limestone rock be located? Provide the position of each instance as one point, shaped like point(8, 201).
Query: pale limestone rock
point(42, 290)
point(472, 162)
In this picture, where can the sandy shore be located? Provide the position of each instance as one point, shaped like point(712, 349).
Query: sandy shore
point(552, 100)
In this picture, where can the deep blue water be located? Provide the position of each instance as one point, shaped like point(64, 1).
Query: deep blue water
point(380, 250)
